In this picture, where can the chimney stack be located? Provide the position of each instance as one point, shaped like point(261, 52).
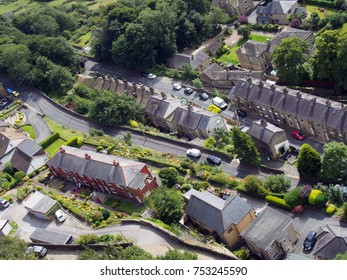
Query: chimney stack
point(285, 91)
point(115, 163)
point(87, 156)
point(313, 99)
point(260, 84)
point(328, 103)
point(249, 80)
point(62, 150)
point(273, 88)
point(298, 95)
point(263, 123)
point(163, 95)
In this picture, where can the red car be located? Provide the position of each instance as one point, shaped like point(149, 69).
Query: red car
point(298, 135)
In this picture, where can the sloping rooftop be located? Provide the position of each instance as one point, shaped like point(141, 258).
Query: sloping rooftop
point(186, 117)
point(268, 227)
point(198, 59)
point(214, 212)
point(289, 32)
point(179, 59)
point(50, 237)
point(109, 168)
point(319, 110)
point(276, 7)
point(252, 48)
point(263, 131)
point(38, 202)
point(332, 240)
point(162, 107)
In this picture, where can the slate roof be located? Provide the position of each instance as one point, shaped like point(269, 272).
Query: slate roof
point(40, 235)
point(289, 32)
point(313, 108)
point(38, 202)
point(214, 212)
point(187, 118)
point(6, 136)
point(252, 48)
point(264, 133)
point(198, 59)
point(161, 107)
point(276, 7)
point(268, 227)
point(98, 166)
point(179, 59)
point(331, 241)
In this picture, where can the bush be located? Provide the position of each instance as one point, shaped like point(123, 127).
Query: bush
point(321, 200)
point(330, 209)
point(99, 148)
point(252, 183)
point(88, 239)
point(49, 140)
point(277, 183)
point(313, 196)
point(241, 254)
point(93, 131)
point(277, 201)
point(186, 187)
point(221, 179)
point(298, 209)
point(74, 142)
point(169, 176)
point(133, 124)
point(293, 197)
point(214, 109)
point(8, 168)
point(19, 175)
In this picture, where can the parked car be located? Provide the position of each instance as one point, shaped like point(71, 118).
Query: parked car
point(144, 74)
point(309, 241)
point(298, 135)
point(219, 102)
point(151, 76)
point(213, 160)
point(177, 86)
point(203, 96)
point(38, 250)
point(194, 153)
point(241, 113)
point(13, 92)
point(4, 203)
point(188, 90)
point(60, 216)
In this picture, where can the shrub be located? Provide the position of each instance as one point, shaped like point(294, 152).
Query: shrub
point(252, 183)
point(321, 200)
point(233, 184)
point(293, 197)
point(214, 109)
point(169, 176)
point(277, 201)
point(133, 124)
point(74, 142)
point(93, 131)
point(298, 209)
point(186, 187)
point(305, 191)
point(19, 175)
point(331, 208)
point(221, 179)
point(49, 140)
point(241, 254)
point(313, 196)
point(8, 168)
point(277, 183)
point(99, 148)
point(88, 239)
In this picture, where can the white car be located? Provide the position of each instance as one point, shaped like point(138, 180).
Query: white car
point(194, 153)
point(177, 86)
point(59, 214)
point(4, 203)
point(219, 102)
point(151, 76)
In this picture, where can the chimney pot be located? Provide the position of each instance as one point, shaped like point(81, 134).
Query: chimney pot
point(87, 156)
point(115, 163)
point(62, 150)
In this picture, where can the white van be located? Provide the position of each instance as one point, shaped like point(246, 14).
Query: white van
point(219, 102)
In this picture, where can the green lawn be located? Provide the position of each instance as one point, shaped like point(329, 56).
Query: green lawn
point(231, 57)
point(54, 147)
point(65, 132)
point(313, 8)
point(83, 40)
point(29, 129)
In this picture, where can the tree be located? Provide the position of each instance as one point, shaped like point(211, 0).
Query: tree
point(13, 248)
point(325, 57)
point(244, 147)
point(197, 84)
point(341, 67)
point(109, 108)
point(277, 183)
point(289, 58)
point(169, 176)
point(309, 162)
point(293, 197)
point(334, 162)
point(252, 183)
point(166, 203)
point(244, 31)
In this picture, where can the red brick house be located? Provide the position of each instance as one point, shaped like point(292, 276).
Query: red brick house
point(105, 173)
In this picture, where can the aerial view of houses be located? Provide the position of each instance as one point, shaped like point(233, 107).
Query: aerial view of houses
point(222, 135)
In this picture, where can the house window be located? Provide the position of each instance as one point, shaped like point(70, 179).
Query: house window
point(262, 56)
point(230, 230)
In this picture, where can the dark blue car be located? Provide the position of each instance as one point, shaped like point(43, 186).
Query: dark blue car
point(309, 241)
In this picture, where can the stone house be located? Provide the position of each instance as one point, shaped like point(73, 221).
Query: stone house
point(277, 12)
point(271, 235)
point(216, 76)
point(193, 122)
point(322, 118)
point(226, 219)
point(159, 109)
point(108, 174)
point(270, 140)
point(239, 7)
point(40, 205)
point(198, 61)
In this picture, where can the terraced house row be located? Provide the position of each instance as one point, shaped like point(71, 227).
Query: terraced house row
point(313, 115)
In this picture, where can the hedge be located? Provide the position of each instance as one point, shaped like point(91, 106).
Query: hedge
point(49, 140)
point(277, 201)
point(158, 162)
point(321, 3)
point(74, 142)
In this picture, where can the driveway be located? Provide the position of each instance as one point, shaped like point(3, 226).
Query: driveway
point(39, 124)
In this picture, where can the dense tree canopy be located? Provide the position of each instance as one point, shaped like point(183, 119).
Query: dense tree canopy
point(334, 162)
point(289, 58)
point(309, 162)
point(167, 204)
point(13, 248)
point(144, 33)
